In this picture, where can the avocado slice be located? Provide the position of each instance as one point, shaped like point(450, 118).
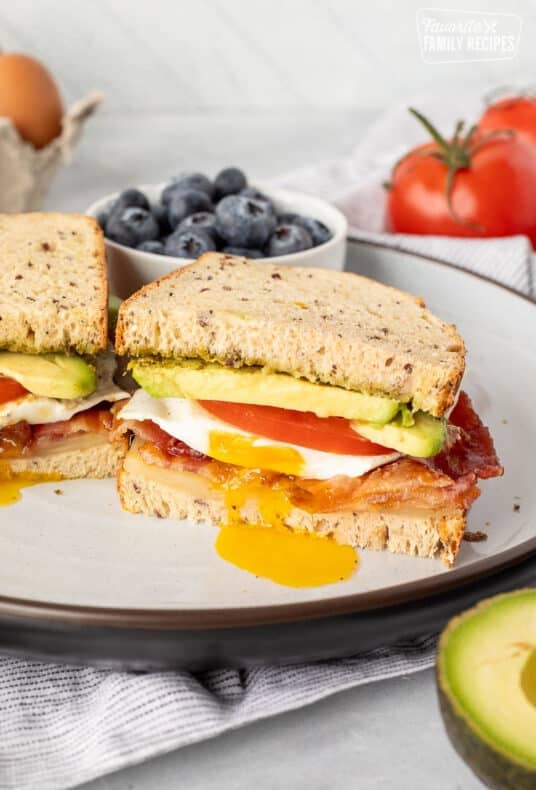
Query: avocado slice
point(114, 303)
point(486, 676)
point(197, 380)
point(50, 375)
point(424, 438)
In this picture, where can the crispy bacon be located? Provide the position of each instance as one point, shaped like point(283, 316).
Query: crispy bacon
point(90, 421)
point(404, 484)
point(15, 439)
point(473, 450)
point(152, 434)
point(22, 438)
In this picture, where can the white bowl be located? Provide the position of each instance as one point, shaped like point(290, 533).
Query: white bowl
point(129, 269)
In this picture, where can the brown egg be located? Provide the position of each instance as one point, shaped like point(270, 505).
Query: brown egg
point(30, 97)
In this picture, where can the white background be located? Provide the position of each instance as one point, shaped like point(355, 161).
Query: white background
point(267, 84)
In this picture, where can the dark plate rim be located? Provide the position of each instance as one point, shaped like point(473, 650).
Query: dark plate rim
point(193, 619)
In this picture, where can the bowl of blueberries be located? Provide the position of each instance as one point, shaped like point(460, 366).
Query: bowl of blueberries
point(151, 230)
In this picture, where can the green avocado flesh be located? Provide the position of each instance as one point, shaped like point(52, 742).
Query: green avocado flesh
point(114, 303)
point(50, 375)
point(486, 670)
point(198, 380)
point(424, 438)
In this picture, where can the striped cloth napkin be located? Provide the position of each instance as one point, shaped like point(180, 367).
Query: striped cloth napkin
point(61, 726)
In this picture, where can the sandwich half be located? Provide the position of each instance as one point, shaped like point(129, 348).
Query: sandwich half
point(319, 400)
point(56, 366)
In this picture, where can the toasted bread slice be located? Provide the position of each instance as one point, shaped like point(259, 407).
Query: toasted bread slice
point(88, 456)
point(53, 286)
point(168, 493)
point(330, 327)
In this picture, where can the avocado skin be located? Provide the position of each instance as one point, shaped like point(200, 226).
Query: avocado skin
point(491, 767)
point(498, 770)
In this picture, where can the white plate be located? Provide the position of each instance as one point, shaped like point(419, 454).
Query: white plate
point(81, 550)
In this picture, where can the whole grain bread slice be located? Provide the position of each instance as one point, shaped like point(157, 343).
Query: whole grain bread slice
point(331, 327)
point(91, 456)
point(53, 285)
point(167, 494)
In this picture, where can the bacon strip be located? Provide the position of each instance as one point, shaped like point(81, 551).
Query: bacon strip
point(473, 451)
point(405, 483)
point(14, 439)
point(22, 438)
point(152, 434)
point(90, 421)
point(400, 485)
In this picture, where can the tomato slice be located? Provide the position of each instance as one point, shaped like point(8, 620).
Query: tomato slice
point(329, 434)
point(10, 389)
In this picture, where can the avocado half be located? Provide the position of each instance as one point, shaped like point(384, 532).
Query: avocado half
point(486, 677)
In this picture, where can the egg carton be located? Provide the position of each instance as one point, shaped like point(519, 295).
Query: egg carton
point(26, 172)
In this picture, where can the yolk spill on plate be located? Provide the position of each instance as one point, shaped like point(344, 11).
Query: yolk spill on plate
point(273, 551)
point(295, 559)
point(233, 448)
point(11, 484)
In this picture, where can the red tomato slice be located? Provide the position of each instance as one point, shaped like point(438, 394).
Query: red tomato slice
point(10, 389)
point(329, 434)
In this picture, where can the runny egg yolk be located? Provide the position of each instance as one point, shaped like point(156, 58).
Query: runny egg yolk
point(294, 559)
point(11, 484)
point(270, 549)
point(233, 448)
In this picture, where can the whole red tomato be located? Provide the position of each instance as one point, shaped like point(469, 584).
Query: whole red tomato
point(514, 112)
point(475, 185)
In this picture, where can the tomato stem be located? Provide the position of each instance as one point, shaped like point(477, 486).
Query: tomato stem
point(430, 128)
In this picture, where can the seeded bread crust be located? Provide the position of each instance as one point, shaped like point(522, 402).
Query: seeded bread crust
point(331, 327)
point(424, 533)
point(97, 459)
point(53, 284)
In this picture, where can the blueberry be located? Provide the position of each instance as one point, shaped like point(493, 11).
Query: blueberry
point(153, 246)
point(190, 243)
point(160, 213)
point(286, 219)
point(132, 226)
point(183, 204)
point(244, 222)
point(288, 239)
point(201, 219)
point(244, 252)
point(229, 182)
point(316, 229)
point(186, 181)
point(128, 198)
point(251, 192)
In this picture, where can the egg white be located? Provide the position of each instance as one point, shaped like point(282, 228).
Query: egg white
point(37, 410)
point(187, 421)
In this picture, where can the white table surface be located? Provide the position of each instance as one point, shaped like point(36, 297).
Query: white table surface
point(385, 735)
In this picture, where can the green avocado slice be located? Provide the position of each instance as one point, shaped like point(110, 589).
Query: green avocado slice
point(50, 375)
point(486, 675)
point(114, 303)
point(199, 380)
point(424, 438)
